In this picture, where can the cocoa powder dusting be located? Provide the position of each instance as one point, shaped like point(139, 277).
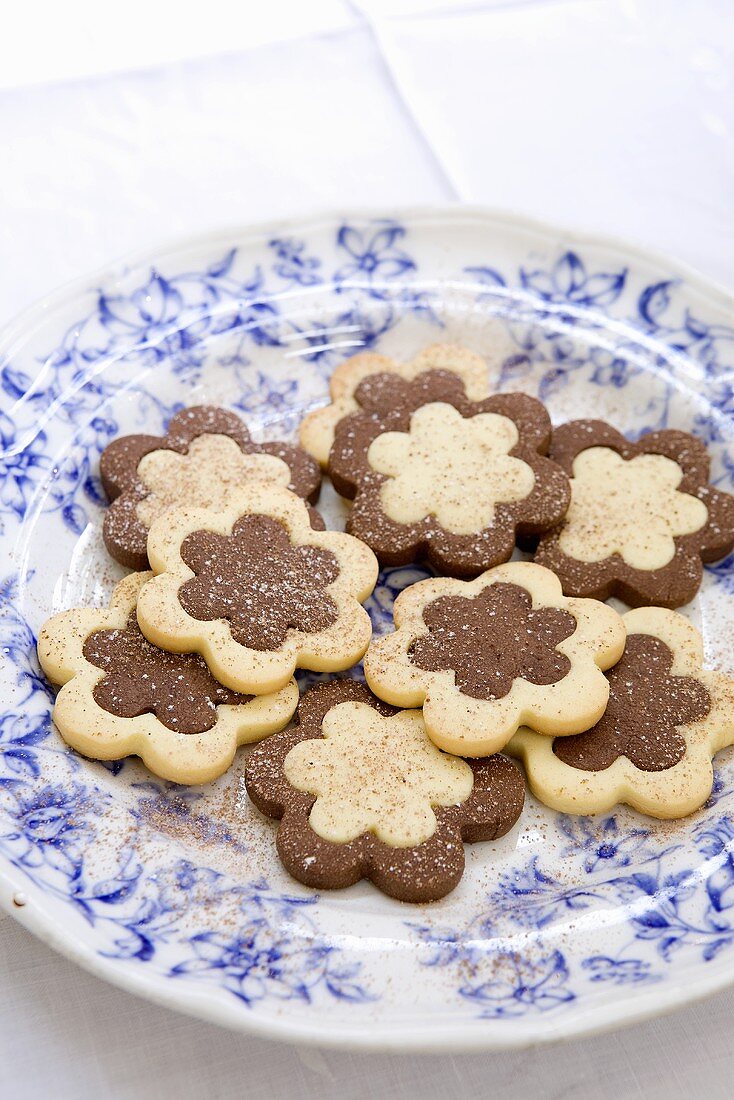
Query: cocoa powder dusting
point(177, 688)
point(492, 639)
point(259, 582)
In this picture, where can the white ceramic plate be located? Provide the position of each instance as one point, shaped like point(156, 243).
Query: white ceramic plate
point(565, 926)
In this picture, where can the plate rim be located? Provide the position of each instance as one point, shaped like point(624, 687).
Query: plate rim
point(169, 246)
point(465, 1035)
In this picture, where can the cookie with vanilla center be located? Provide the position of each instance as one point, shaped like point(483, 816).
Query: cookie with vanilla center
point(438, 477)
point(362, 792)
point(643, 517)
point(205, 454)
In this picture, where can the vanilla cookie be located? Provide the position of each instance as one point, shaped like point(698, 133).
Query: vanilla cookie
point(205, 455)
point(487, 656)
point(438, 477)
point(642, 517)
point(121, 696)
point(362, 792)
point(318, 427)
point(256, 590)
point(666, 718)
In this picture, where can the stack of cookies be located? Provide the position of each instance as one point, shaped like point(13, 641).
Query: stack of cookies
point(237, 584)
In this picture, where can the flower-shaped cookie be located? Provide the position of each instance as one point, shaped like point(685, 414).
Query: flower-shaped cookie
point(667, 717)
point(318, 427)
point(205, 455)
point(436, 476)
point(363, 793)
point(122, 696)
point(487, 656)
point(642, 517)
point(256, 590)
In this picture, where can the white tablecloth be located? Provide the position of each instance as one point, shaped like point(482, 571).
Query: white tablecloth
point(126, 125)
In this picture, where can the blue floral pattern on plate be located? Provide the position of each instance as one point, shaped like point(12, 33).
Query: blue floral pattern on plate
point(552, 927)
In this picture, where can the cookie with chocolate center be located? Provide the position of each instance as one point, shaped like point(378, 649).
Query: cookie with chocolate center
point(256, 591)
point(259, 582)
point(484, 657)
point(666, 718)
point(646, 706)
point(122, 696)
point(139, 679)
point(464, 634)
point(642, 518)
point(361, 792)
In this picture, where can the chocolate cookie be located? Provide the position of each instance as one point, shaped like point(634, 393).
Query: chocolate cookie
point(642, 517)
point(484, 657)
point(255, 590)
point(437, 477)
point(122, 696)
point(362, 793)
point(205, 454)
point(652, 748)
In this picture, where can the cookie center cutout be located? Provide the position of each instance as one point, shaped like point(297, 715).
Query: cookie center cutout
point(628, 507)
point(177, 688)
point(374, 774)
point(259, 582)
point(493, 639)
point(645, 706)
point(455, 468)
point(213, 466)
